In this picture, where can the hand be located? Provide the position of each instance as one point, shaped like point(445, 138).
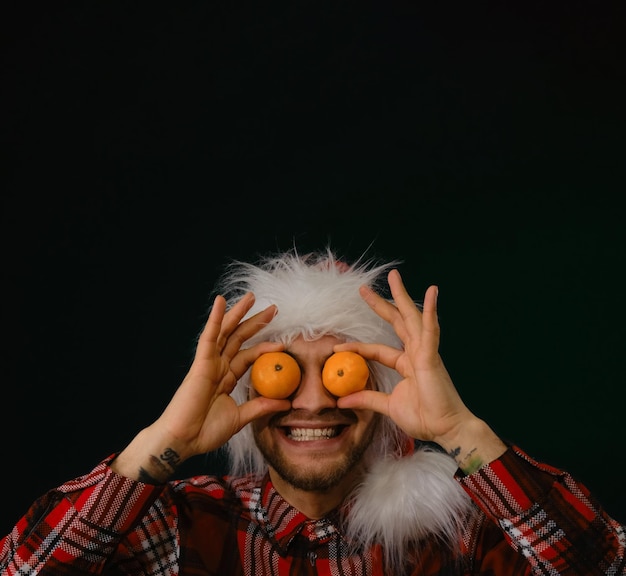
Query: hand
point(425, 403)
point(202, 415)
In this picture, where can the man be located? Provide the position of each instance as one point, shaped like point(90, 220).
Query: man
point(398, 478)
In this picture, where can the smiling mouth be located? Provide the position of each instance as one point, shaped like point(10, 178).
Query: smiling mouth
point(309, 434)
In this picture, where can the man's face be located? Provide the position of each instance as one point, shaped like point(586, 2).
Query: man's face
point(315, 446)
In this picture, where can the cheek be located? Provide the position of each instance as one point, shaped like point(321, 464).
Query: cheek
point(260, 424)
point(262, 431)
point(369, 422)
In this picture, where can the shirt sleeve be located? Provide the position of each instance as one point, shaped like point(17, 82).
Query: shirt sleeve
point(547, 516)
point(76, 527)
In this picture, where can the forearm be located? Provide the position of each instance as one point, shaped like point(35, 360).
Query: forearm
point(88, 516)
point(528, 500)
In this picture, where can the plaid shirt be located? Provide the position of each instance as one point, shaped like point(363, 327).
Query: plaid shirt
point(531, 519)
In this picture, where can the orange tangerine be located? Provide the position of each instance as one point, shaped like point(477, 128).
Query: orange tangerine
point(275, 375)
point(345, 372)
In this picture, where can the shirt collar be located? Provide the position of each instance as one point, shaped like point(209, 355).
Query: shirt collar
point(283, 522)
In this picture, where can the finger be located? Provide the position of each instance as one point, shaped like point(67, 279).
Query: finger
point(431, 331)
point(429, 311)
point(246, 356)
point(261, 406)
point(247, 329)
point(214, 335)
point(232, 318)
point(366, 400)
point(425, 322)
point(385, 309)
point(406, 306)
point(221, 321)
point(381, 353)
point(388, 311)
point(211, 331)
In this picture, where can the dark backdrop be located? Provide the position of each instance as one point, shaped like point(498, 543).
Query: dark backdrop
point(143, 147)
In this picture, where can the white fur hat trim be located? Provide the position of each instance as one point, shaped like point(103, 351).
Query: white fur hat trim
point(407, 499)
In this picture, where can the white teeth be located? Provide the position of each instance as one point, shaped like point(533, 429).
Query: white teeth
point(306, 434)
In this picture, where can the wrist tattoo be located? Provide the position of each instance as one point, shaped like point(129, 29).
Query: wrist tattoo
point(163, 466)
point(470, 463)
point(171, 457)
point(146, 477)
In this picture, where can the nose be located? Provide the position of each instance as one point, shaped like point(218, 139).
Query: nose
point(311, 395)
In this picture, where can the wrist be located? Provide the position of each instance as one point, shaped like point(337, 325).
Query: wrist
point(473, 445)
point(148, 459)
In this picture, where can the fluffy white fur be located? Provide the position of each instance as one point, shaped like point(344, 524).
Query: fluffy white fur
point(402, 498)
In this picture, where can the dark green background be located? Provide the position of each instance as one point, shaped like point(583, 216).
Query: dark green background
point(143, 148)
